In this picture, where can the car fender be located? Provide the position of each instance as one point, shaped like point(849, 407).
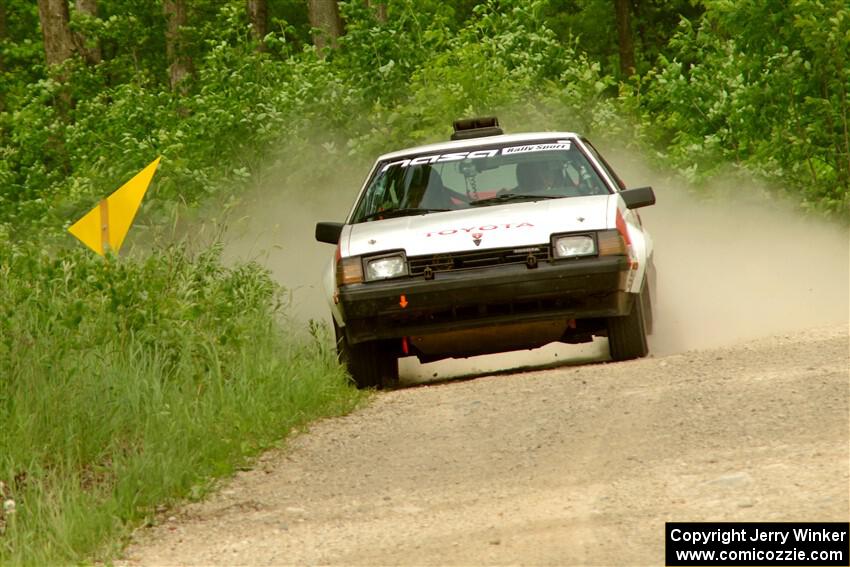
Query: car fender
point(330, 292)
point(641, 242)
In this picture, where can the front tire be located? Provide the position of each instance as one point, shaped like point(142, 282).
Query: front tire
point(371, 364)
point(627, 335)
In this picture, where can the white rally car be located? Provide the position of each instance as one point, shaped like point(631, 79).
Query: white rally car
point(488, 243)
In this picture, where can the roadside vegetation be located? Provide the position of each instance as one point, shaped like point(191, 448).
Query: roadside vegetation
point(754, 86)
point(130, 382)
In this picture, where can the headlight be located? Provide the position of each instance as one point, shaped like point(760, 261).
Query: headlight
point(573, 246)
point(386, 267)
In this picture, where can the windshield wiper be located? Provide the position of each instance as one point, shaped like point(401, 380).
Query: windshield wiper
point(404, 212)
point(511, 197)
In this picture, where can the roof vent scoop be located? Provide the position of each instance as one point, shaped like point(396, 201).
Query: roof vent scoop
point(466, 128)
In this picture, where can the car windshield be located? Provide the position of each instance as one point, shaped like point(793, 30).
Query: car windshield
point(489, 175)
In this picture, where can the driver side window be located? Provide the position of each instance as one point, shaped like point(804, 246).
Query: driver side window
point(605, 165)
point(384, 194)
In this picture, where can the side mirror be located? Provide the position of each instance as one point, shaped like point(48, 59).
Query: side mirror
point(328, 232)
point(640, 197)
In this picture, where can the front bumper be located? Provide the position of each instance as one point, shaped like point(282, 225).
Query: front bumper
point(492, 296)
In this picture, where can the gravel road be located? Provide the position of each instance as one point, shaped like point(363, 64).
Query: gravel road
point(738, 416)
point(572, 465)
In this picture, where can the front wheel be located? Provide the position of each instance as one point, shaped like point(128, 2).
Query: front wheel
point(627, 335)
point(371, 364)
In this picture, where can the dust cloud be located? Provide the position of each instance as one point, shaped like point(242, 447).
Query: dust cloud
point(731, 268)
point(738, 266)
point(276, 220)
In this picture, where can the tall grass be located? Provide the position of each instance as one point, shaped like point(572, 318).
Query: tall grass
point(125, 384)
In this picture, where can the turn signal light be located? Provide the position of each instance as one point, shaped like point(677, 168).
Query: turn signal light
point(611, 243)
point(349, 271)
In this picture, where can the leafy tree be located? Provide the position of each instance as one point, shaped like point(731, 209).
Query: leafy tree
point(3, 38)
point(597, 28)
point(763, 85)
point(759, 85)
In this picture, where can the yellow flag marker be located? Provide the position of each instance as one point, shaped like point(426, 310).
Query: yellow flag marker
point(105, 226)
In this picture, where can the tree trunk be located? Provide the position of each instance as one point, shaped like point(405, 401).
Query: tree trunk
point(59, 46)
point(176, 50)
point(55, 27)
point(92, 54)
point(324, 15)
point(624, 37)
point(380, 9)
point(258, 15)
point(86, 7)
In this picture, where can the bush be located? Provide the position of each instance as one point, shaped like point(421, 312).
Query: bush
point(765, 89)
point(127, 384)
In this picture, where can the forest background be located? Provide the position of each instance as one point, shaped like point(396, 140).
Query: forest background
point(103, 364)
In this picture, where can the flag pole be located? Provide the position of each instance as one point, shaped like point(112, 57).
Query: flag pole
point(104, 226)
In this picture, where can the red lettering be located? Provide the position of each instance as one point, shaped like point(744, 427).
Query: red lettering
point(450, 231)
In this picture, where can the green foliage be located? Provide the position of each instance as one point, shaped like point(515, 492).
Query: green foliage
point(21, 55)
point(760, 85)
point(763, 86)
point(245, 104)
point(503, 60)
point(127, 384)
point(131, 34)
point(592, 24)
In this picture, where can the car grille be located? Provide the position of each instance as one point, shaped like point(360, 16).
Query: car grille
point(435, 263)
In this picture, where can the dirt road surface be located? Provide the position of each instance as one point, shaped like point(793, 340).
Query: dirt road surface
point(739, 414)
point(573, 465)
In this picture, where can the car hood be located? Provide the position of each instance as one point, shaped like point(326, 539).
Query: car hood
point(495, 226)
